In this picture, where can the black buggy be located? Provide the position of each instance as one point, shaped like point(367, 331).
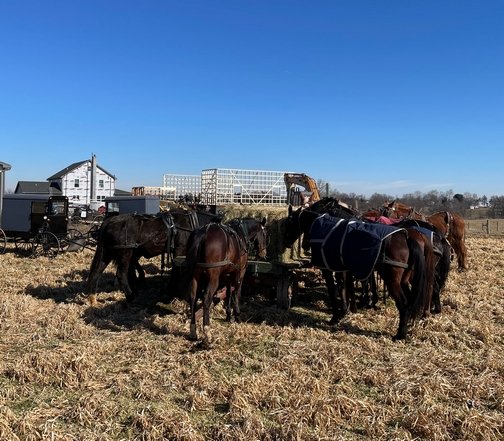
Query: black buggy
point(37, 224)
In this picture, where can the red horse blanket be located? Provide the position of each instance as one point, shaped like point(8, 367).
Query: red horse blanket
point(347, 244)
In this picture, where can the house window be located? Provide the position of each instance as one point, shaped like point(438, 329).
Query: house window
point(76, 183)
point(100, 183)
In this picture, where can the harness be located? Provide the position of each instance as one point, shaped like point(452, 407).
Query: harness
point(167, 219)
point(237, 229)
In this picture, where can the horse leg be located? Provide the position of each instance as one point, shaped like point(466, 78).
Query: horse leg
point(461, 251)
point(331, 290)
point(435, 304)
point(395, 284)
point(229, 303)
point(211, 288)
point(237, 296)
point(350, 291)
point(193, 297)
point(123, 266)
point(135, 268)
point(94, 276)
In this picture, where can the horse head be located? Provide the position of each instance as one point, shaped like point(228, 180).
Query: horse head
point(292, 230)
point(260, 239)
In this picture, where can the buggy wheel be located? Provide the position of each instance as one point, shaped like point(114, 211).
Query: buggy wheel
point(74, 240)
point(98, 219)
point(3, 241)
point(76, 219)
point(46, 244)
point(92, 236)
point(24, 245)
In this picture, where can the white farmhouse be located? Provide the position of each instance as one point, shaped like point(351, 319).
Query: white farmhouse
point(81, 185)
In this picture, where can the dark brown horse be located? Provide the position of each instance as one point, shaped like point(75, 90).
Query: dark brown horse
point(124, 239)
point(217, 255)
point(340, 281)
point(399, 263)
point(452, 226)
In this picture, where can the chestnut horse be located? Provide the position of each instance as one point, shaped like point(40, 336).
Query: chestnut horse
point(452, 225)
point(400, 262)
point(217, 254)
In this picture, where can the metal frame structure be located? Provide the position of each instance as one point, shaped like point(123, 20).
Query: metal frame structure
point(182, 185)
point(220, 186)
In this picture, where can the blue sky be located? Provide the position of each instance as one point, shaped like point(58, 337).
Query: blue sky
point(372, 96)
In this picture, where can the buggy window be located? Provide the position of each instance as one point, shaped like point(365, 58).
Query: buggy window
point(39, 207)
point(113, 207)
point(57, 207)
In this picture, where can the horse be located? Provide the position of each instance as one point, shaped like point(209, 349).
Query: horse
point(452, 225)
point(437, 253)
point(217, 254)
point(442, 262)
point(125, 238)
point(424, 238)
point(341, 280)
point(399, 262)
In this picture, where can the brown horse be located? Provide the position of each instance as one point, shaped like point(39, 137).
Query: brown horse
point(400, 261)
point(452, 226)
point(124, 239)
point(217, 254)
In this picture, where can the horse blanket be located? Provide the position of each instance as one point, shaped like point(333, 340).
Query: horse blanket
point(347, 244)
point(405, 223)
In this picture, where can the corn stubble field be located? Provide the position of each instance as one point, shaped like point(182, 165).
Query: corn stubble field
point(69, 371)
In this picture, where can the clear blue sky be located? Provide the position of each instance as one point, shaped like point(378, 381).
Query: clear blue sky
point(372, 96)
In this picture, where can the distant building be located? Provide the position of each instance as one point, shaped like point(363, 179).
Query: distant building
point(75, 182)
point(34, 187)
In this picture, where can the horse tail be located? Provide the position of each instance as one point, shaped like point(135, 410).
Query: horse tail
point(443, 266)
point(98, 258)
point(417, 300)
point(194, 242)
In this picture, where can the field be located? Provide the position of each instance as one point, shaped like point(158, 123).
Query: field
point(69, 371)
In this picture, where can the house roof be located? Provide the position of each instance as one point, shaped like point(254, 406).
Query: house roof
point(118, 192)
point(72, 167)
point(34, 187)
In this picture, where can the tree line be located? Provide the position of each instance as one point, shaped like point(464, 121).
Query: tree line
point(426, 203)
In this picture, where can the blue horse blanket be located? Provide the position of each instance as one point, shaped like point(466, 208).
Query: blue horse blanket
point(347, 244)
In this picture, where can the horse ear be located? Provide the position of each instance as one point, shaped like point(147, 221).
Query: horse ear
point(290, 209)
point(263, 223)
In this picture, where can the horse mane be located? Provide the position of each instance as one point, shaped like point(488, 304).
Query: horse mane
point(334, 207)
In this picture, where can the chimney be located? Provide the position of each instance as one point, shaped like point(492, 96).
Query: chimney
point(92, 201)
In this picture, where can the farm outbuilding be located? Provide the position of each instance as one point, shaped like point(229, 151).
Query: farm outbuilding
point(182, 185)
point(221, 186)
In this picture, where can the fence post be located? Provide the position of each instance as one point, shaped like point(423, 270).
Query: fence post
point(488, 226)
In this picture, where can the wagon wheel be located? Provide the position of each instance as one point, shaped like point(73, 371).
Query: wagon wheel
point(76, 219)
point(287, 290)
point(74, 240)
point(92, 235)
point(24, 245)
point(98, 219)
point(3, 242)
point(45, 244)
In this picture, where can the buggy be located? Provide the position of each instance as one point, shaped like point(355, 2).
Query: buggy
point(37, 224)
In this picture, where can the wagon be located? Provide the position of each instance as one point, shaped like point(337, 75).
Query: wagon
point(282, 276)
point(36, 224)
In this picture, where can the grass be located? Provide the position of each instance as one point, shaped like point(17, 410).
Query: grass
point(69, 371)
